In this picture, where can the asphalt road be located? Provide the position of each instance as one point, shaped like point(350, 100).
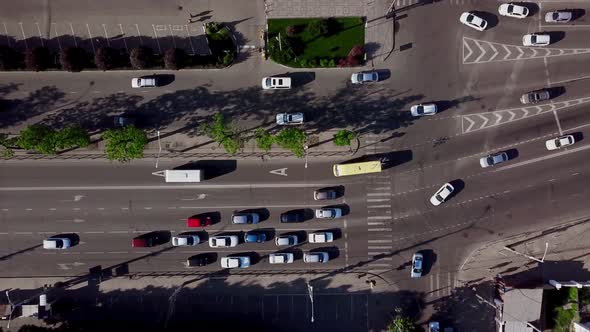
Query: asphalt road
point(476, 77)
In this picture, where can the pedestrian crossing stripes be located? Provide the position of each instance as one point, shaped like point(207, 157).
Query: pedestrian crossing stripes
point(442, 284)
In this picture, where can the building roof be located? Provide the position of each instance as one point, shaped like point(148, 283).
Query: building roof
point(522, 305)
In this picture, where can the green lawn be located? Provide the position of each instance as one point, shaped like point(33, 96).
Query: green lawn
point(349, 31)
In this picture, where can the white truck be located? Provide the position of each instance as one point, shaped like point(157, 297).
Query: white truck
point(181, 175)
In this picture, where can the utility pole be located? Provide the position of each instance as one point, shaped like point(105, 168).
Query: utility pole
point(159, 148)
point(305, 148)
point(11, 309)
point(310, 291)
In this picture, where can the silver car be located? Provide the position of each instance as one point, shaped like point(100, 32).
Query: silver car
point(364, 77)
point(536, 39)
point(417, 262)
point(535, 96)
point(423, 109)
point(286, 240)
point(493, 159)
point(281, 258)
point(290, 118)
point(245, 218)
point(558, 16)
point(316, 257)
point(442, 194)
point(328, 213)
point(185, 240)
point(324, 194)
point(321, 237)
point(560, 142)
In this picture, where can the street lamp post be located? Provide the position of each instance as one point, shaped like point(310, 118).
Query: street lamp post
point(305, 148)
point(11, 309)
point(159, 148)
point(310, 291)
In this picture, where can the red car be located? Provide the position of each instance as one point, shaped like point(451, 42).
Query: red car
point(199, 221)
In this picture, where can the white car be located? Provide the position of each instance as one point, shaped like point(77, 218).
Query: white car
point(493, 159)
point(316, 257)
point(235, 262)
point(423, 109)
point(144, 82)
point(185, 240)
point(560, 142)
point(281, 258)
point(57, 243)
point(290, 118)
point(536, 39)
point(512, 10)
point(276, 83)
point(223, 241)
point(328, 213)
point(321, 237)
point(558, 16)
point(442, 194)
point(364, 77)
point(473, 21)
point(286, 240)
point(417, 262)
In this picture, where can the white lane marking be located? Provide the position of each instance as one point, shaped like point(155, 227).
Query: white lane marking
point(377, 194)
point(380, 241)
point(378, 206)
point(375, 223)
point(379, 229)
point(249, 206)
point(94, 232)
point(375, 200)
point(169, 187)
point(379, 247)
point(379, 218)
point(75, 220)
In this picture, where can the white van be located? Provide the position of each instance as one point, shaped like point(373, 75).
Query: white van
point(276, 83)
point(185, 175)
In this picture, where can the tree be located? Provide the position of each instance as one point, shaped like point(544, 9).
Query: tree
point(292, 139)
point(106, 58)
point(223, 133)
point(7, 146)
point(37, 59)
point(264, 139)
point(9, 58)
point(73, 59)
point(174, 58)
point(141, 57)
point(48, 141)
point(401, 324)
point(125, 144)
point(344, 137)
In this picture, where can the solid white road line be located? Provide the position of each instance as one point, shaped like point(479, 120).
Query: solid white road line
point(170, 187)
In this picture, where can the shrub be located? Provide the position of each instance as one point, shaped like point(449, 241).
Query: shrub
point(292, 139)
point(174, 58)
point(264, 140)
point(354, 57)
point(48, 141)
point(37, 59)
point(125, 143)
point(292, 30)
point(9, 58)
point(285, 55)
point(141, 57)
point(73, 59)
point(344, 137)
point(318, 27)
point(228, 59)
point(106, 58)
point(212, 28)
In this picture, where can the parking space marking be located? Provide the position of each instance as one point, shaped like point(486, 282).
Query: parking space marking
point(188, 36)
point(106, 35)
point(54, 25)
point(40, 34)
point(90, 37)
point(24, 36)
point(6, 34)
point(172, 35)
point(124, 37)
point(156, 37)
point(139, 34)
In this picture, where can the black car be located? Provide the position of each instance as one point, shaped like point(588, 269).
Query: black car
point(293, 216)
point(199, 260)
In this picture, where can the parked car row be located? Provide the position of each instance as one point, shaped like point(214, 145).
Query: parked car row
point(475, 21)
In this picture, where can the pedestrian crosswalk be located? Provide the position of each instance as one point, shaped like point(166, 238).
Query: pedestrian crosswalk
point(378, 202)
point(442, 284)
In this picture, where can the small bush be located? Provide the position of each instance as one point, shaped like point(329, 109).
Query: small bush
point(9, 58)
point(281, 56)
point(354, 57)
point(174, 58)
point(228, 59)
point(318, 27)
point(73, 59)
point(106, 58)
point(344, 137)
point(264, 140)
point(37, 59)
point(292, 30)
point(141, 57)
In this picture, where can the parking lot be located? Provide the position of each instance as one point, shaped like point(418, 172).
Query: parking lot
point(159, 36)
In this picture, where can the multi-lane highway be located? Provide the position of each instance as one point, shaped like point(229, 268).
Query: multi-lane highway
point(476, 78)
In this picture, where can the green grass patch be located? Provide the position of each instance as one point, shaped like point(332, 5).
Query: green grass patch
point(315, 40)
point(563, 304)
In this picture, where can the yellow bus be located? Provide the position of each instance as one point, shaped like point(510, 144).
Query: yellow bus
point(357, 168)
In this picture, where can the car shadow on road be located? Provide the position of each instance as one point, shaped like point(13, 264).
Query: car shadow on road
point(532, 7)
point(164, 79)
point(211, 168)
point(577, 13)
point(492, 19)
point(578, 136)
point(512, 153)
point(459, 185)
point(556, 91)
point(555, 36)
point(430, 258)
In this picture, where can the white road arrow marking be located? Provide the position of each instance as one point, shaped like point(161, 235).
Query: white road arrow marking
point(68, 266)
point(470, 125)
point(483, 52)
point(495, 52)
point(498, 118)
point(78, 198)
point(280, 171)
point(198, 197)
point(465, 44)
point(485, 120)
